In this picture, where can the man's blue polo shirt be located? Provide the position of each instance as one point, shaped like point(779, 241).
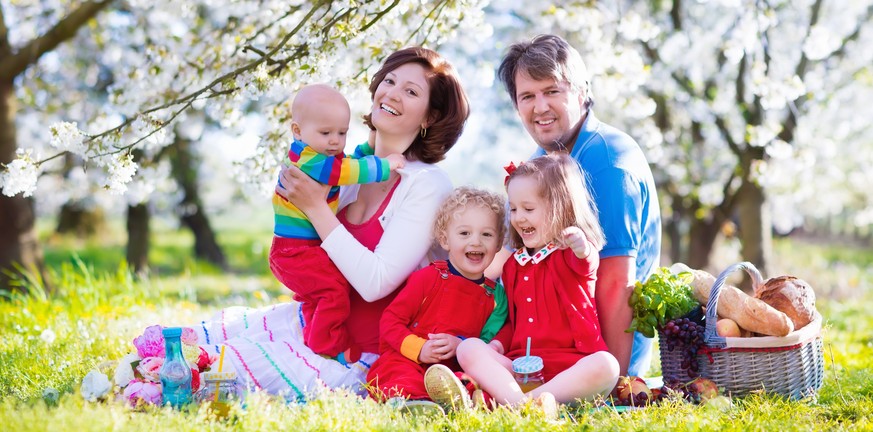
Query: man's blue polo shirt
point(621, 183)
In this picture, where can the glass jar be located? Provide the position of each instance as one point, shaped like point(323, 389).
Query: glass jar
point(175, 373)
point(528, 372)
point(219, 389)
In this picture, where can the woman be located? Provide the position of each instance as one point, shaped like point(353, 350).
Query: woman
point(376, 240)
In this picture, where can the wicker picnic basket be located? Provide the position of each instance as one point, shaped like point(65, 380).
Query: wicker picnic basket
point(792, 365)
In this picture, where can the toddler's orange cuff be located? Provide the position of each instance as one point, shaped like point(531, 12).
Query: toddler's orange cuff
point(411, 347)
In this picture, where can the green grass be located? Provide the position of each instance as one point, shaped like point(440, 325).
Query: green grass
point(52, 341)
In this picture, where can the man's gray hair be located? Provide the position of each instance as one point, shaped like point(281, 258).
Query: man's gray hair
point(545, 57)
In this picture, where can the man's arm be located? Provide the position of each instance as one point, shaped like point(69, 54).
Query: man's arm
point(615, 282)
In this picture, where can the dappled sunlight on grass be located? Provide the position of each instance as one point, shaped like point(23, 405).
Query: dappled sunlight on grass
point(97, 308)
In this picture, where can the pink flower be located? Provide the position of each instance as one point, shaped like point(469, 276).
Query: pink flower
point(189, 336)
point(204, 361)
point(150, 368)
point(150, 343)
point(139, 392)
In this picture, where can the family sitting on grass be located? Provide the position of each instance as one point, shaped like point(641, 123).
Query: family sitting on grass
point(397, 292)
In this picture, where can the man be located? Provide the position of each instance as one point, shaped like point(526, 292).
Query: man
point(548, 84)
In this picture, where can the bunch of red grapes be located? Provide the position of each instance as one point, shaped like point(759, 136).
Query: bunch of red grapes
point(686, 335)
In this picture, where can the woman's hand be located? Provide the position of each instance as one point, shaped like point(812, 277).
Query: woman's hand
point(301, 190)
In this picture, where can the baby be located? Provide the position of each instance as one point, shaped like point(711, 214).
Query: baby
point(320, 123)
point(446, 302)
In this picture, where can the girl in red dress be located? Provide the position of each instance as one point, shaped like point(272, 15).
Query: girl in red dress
point(549, 282)
point(446, 302)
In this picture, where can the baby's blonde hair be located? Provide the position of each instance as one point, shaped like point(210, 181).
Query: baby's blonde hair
point(458, 201)
point(562, 186)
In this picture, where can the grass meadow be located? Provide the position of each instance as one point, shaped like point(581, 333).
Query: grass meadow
point(50, 341)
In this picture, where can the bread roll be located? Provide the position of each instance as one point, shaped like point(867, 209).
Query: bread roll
point(792, 296)
point(749, 313)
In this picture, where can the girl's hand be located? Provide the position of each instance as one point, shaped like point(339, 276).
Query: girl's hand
point(445, 344)
point(301, 190)
point(575, 239)
point(496, 346)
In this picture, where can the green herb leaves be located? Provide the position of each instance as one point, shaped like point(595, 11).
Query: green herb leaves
point(663, 297)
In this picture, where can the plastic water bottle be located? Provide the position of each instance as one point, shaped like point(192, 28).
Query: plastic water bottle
point(175, 373)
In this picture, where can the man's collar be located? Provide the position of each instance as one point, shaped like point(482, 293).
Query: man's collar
point(522, 257)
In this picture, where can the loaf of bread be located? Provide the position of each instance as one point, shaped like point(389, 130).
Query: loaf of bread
point(792, 296)
point(749, 313)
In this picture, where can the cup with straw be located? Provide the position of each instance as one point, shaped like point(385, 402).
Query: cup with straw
point(528, 370)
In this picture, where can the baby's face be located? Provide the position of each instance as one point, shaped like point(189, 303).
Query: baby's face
point(324, 129)
point(471, 239)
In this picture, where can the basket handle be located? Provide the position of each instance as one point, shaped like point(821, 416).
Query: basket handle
point(710, 335)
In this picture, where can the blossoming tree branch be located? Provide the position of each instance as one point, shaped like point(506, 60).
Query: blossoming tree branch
point(109, 80)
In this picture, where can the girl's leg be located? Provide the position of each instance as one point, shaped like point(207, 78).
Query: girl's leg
point(590, 376)
point(491, 370)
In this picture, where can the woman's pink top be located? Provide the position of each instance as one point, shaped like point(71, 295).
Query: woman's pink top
point(363, 321)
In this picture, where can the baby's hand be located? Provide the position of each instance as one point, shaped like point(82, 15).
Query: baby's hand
point(575, 239)
point(396, 161)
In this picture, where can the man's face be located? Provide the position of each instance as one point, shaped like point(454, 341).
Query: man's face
point(549, 109)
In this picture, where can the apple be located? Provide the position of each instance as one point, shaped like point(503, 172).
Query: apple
point(627, 387)
point(703, 387)
point(727, 327)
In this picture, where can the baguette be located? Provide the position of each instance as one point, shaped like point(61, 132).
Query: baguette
point(749, 313)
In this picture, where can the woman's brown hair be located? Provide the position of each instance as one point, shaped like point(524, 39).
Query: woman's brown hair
point(449, 108)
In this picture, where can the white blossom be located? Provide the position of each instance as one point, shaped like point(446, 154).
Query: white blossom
point(48, 336)
point(95, 385)
point(760, 136)
point(124, 371)
point(120, 173)
point(820, 43)
point(20, 176)
point(66, 136)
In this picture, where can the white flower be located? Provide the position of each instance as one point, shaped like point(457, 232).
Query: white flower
point(66, 136)
point(760, 136)
point(95, 385)
point(145, 126)
point(20, 176)
point(121, 171)
point(48, 336)
point(820, 43)
point(124, 371)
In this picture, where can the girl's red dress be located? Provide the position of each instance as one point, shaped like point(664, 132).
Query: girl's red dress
point(551, 300)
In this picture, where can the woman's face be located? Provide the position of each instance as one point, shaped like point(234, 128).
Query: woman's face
point(401, 101)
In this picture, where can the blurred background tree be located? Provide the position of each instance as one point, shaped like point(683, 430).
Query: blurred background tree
point(750, 112)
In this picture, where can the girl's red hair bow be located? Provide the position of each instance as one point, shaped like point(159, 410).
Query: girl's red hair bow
point(509, 170)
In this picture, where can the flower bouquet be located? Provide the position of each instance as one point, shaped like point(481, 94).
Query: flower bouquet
point(136, 376)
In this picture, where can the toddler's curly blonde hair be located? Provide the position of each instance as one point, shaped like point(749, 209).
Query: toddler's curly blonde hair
point(458, 201)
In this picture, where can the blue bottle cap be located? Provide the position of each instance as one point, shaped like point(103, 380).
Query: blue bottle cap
point(527, 364)
point(172, 332)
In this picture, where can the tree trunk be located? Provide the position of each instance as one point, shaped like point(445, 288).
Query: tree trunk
point(701, 240)
point(191, 212)
point(18, 242)
point(673, 229)
point(81, 221)
point(138, 237)
point(756, 226)
point(80, 217)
